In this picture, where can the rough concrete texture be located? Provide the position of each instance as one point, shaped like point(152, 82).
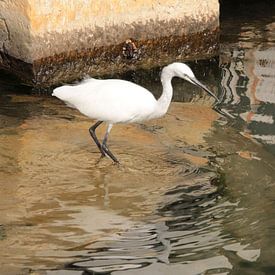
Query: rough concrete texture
point(15, 35)
point(61, 40)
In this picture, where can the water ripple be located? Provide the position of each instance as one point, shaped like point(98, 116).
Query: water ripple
point(187, 228)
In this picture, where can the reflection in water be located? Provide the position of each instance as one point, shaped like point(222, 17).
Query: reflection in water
point(248, 78)
point(59, 202)
point(61, 209)
point(187, 229)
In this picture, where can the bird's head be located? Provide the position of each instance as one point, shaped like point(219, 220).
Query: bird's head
point(183, 71)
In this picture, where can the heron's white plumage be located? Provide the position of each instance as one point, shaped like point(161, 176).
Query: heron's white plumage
point(111, 100)
point(120, 101)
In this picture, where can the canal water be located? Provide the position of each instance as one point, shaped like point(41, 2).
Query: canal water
point(194, 193)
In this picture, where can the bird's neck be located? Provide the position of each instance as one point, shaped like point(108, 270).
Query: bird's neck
point(167, 93)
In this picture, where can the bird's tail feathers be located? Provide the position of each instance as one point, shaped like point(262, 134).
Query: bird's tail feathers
point(63, 92)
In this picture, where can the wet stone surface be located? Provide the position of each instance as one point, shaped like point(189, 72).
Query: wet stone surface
point(71, 65)
point(67, 67)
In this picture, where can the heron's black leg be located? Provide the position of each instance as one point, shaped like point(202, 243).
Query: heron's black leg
point(93, 135)
point(105, 147)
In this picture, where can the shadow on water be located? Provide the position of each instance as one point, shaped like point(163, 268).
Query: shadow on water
point(195, 194)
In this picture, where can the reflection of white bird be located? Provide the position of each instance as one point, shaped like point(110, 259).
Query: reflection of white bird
point(119, 101)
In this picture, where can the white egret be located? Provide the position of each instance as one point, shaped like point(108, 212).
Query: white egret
point(119, 101)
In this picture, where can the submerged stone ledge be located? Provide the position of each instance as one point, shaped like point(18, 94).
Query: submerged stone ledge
point(49, 42)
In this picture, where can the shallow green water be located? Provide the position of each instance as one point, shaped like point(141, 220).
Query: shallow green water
point(195, 193)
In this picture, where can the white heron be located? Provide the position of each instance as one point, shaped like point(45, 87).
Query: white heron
point(119, 101)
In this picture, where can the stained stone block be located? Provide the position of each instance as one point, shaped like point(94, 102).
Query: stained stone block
point(46, 42)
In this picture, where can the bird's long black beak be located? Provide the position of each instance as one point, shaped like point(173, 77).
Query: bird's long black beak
point(195, 81)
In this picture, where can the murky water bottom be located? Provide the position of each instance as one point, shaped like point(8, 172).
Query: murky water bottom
point(194, 193)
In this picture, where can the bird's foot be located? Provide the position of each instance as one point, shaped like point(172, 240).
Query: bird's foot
point(109, 153)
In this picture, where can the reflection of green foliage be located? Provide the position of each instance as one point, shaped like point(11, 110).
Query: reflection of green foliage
point(2, 232)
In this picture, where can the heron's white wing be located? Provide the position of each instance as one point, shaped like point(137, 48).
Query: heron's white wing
point(110, 100)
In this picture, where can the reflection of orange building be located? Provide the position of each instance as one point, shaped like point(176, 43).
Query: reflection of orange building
point(248, 81)
point(260, 69)
point(261, 91)
point(265, 71)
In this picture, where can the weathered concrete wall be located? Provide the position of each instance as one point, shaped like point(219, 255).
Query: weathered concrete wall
point(60, 40)
point(14, 29)
point(15, 36)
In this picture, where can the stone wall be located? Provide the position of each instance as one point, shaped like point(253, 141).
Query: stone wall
point(46, 42)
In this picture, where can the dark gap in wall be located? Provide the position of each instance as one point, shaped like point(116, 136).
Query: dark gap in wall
point(252, 9)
